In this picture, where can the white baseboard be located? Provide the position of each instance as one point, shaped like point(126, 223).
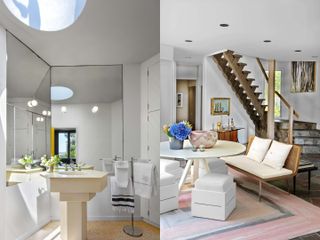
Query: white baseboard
point(106, 218)
point(33, 230)
point(151, 223)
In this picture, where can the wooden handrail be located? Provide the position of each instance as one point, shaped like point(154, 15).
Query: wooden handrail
point(276, 92)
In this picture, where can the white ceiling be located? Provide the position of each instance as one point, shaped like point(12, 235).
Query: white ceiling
point(94, 84)
point(290, 24)
point(107, 32)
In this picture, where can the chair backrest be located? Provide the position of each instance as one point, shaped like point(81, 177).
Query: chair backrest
point(293, 159)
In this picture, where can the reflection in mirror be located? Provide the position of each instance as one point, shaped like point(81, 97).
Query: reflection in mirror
point(88, 123)
point(28, 105)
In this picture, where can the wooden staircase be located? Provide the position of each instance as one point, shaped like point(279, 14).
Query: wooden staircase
point(237, 77)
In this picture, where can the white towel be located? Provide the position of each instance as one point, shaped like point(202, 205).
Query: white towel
point(122, 198)
point(145, 179)
point(122, 173)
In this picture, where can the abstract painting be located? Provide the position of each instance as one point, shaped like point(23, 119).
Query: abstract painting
point(303, 76)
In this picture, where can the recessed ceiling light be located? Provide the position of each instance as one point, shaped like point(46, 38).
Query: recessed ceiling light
point(44, 113)
point(95, 109)
point(33, 103)
point(188, 40)
point(297, 50)
point(267, 41)
point(64, 109)
point(59, 93)
point(224, 25)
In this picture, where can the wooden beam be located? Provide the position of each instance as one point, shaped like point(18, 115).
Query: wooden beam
point(271, 92)
point(276, 92)
point(243, 80)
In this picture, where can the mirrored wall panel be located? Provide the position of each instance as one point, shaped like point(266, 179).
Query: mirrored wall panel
point(28, 103)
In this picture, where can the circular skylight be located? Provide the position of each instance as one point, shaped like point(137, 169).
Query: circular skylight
point(46, 15)
point(59, 93)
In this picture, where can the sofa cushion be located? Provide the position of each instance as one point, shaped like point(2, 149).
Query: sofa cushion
point(167, 165)
point(259, 148)
point(217, 165)
point(167, 179)
point(277, 155)
point(214, 182)
point(258, 169)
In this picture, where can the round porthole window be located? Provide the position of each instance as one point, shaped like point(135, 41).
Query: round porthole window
point(46, 15)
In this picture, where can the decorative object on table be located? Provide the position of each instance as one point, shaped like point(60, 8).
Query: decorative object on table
point(26, 161)
point(202, 148)
point(207, 139)
point(50, 163)
point(219, 126)
point(303, 76)
point(177, 133)
point(220, 106)
point(232, 124)
point(180, 100)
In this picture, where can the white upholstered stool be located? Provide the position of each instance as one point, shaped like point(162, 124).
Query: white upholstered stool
point(170, 173)
point(213, 196)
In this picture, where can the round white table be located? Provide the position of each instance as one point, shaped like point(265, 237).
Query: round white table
point(220, 149)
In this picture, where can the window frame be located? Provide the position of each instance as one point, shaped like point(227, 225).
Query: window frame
point(67, 160)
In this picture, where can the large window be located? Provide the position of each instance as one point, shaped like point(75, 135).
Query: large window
point(65, 145)
point(277, 103)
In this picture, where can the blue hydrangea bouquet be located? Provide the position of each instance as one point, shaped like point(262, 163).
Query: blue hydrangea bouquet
point(177, 133)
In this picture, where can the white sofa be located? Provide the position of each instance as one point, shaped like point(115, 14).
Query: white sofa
point(263, 172)
point(170, 174)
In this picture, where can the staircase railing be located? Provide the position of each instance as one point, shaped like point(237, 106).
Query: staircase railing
point(292, 112)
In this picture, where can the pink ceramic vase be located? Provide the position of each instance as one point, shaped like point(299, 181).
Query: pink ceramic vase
point(206, 138)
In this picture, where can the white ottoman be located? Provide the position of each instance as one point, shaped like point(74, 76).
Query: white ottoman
point(214, 196)
point(170, 173)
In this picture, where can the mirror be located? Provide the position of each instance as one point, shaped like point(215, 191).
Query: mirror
point(28, 104)
point(87, 114)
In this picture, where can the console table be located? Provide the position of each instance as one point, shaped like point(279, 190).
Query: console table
point(229, 134)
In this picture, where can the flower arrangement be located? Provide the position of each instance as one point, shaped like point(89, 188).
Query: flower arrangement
point(50, 162)
point(179, 131)
point(26, 161)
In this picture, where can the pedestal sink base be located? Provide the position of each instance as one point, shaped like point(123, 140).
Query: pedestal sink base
point(73, 220)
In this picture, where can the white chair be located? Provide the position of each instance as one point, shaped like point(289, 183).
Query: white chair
point(214, 194)
point(170, 173)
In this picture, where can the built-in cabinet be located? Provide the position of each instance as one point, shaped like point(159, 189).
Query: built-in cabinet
point(150, 129)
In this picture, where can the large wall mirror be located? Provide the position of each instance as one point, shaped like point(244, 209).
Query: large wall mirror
point(28, 104)
point(87, 114)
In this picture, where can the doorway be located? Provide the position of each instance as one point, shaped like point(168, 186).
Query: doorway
point(186, 101)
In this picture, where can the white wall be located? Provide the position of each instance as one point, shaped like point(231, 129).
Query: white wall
point(94, 141)
point(215, 85)
point(3, 120)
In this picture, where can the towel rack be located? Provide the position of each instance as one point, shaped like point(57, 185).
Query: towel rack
point(131, 230)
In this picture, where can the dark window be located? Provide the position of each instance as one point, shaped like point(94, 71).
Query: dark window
point(65, 145)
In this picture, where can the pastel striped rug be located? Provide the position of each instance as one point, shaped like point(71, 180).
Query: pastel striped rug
point(277, 216)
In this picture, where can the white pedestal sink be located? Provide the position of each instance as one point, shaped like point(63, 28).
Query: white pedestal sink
point(75, 188)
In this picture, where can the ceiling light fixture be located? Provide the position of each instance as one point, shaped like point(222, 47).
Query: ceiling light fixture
point(49, 113)
point(298, 51)
point(267, 41)
point(44, 113)
point(95, 109)
point(188, 41)
point(32, 103)
point(224, 25)
point(63, 109)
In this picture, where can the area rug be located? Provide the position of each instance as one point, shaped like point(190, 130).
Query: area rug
point(278, 216)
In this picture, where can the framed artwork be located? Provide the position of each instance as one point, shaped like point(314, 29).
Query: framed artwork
point(303, 77)
point(220, 106)
point(179, 99)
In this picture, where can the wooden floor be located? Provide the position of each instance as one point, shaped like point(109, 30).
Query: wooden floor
point(100, 230)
